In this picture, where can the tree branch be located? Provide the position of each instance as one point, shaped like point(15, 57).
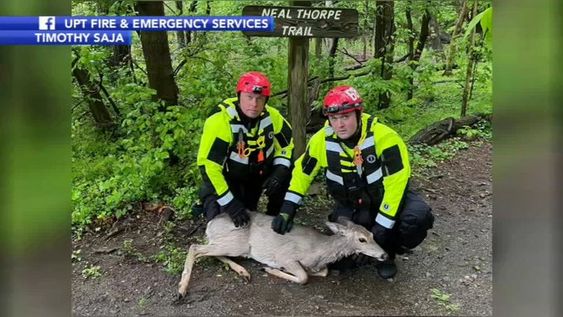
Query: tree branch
point(328, 80)
point(104, 90)
point(345, 52)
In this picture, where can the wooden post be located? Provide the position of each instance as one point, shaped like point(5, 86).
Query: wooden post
point(469, 70)
point(298, 75)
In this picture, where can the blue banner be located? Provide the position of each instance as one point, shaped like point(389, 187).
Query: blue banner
point(65, 38)
point(139, 23)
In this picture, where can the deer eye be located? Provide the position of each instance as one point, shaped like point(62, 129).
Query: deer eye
point(362, 240)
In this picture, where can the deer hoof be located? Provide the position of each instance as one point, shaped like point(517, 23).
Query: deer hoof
point(178, 299)
point(246, 278)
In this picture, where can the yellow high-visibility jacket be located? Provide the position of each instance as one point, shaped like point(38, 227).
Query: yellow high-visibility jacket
point(219, 158)
point(380, 180)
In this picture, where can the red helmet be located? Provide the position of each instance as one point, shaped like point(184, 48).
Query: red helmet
point(342, 99)
point(255, 82)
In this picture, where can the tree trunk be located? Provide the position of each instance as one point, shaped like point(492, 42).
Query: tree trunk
point(469, 70)
point(91, 93)
point(365, 34)
point(452, 48)
point(332, 56)
point(297, 87)
point(384, 44)
point(318, 48)
point(443, 129)
point(423, 36)
point(180, 35)
point(189, 36)
point(410, 44)
point(157, 55)
point(121, 56)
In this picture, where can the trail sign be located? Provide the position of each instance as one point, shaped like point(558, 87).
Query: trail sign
point(306, 21)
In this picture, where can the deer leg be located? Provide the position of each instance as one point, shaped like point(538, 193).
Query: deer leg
point(296, 273)
point(322, 272)
point(193, 253)
point(236, 267)
point(198, 250)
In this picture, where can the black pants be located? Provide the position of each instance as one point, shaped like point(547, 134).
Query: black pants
point(248, 192)
point(410, 229)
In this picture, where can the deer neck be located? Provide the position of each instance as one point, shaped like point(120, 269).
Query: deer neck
point(333, 249)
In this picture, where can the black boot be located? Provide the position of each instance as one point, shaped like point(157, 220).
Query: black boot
point(386, 269)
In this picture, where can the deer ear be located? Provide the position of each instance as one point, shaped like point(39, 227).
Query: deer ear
point(344, 221)
point(336, 227)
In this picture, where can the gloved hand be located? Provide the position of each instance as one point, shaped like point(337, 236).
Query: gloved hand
point(283, 222)
point(382, 236)
point(237, 212)
point(276, 179)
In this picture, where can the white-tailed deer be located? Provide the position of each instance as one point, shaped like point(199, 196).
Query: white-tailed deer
point(292, 256)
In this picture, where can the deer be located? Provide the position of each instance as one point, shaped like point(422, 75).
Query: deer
point(294, 256)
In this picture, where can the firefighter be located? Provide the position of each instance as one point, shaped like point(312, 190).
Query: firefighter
point(245, 150)
point(367, 174)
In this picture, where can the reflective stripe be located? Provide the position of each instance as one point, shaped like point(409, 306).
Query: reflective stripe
point(384, 221)
point(270, 150)
point(375, 176)
point(225, 199)
point(334, 147)
point(335, 178)
point(235, 157)
point(265, 122)
point(282, 161)
point(236, 127)
point(294, 198)
point(232, 112)
point(329, 131)
point(367, 143)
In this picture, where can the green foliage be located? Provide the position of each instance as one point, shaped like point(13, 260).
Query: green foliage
point(482, 130)
point(443, 299)
point(75, 256)
point(111, 175)
point(143, 303)
point(485, 18)
point(92, 272)
point(172, 259)
point(423, 156)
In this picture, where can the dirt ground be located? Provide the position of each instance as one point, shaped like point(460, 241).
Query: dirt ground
point(449, 274)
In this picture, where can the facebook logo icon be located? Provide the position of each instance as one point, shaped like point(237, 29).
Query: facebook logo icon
point(46, 23)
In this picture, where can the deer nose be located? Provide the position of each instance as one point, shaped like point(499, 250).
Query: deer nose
point(383, 257)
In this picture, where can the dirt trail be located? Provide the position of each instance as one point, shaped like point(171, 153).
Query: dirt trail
point(455, 260)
